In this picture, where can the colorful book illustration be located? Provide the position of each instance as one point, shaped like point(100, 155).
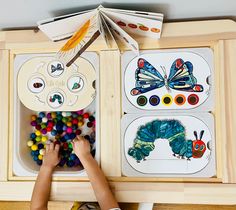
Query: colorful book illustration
point(83, 28)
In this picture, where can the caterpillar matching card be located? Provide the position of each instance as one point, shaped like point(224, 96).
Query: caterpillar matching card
point(167, 100)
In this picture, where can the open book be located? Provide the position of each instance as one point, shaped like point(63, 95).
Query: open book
point(84, 27)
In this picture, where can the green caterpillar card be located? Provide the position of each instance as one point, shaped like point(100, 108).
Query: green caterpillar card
point(164, 145)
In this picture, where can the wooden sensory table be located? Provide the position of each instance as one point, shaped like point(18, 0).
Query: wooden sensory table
point(220, 35)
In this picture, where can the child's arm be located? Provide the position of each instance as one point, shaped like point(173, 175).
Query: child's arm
point(99, 183)
point(42, 188)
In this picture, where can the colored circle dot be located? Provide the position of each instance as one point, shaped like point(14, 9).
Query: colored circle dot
point(167, 100)
point(154, 100)
point(180, 99)
point(193, 99)
point(141, 100)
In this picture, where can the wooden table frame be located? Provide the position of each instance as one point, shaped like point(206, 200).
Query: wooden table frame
point(220, 35)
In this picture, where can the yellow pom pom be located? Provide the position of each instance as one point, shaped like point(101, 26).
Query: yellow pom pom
point(40, 157)
point(44, 138)
point(34, 147)
point(37, 133)
point(69, 124)
point(80, 123)
point(53, 115)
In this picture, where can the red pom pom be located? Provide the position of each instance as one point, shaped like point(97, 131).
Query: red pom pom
point(86, 115)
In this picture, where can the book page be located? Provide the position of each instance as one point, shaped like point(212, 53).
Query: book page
point(80, 41)
point(65, 28)
point(149, 15)
point(54, 19)
point(136, 25)
point(108, 36)
point(125, 37)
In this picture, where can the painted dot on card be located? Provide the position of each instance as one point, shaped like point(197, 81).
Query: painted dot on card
point(141, 100)
point(180, 99)
point(167, 100)
point(193, 99)
point(154, 100)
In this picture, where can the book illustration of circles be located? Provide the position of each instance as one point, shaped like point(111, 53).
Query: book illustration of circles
point(193, 99)
point(154, 100)
point(36, 85)
point(75, 83)
point(180, 99)
point(167, 100)
point(141, 100)
point(55, 99)
point(55, 68)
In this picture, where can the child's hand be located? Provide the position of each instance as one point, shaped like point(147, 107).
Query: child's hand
point(51, 157)
point(81, 147)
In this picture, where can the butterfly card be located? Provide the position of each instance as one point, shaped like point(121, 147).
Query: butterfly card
point(177, 79)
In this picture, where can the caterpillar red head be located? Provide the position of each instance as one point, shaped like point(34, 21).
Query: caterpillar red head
point(199, 147)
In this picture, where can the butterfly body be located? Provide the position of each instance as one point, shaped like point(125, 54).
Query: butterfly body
point(180, 78)
point(58, 67)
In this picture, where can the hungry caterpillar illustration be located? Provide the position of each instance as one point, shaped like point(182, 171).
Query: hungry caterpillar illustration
point(174, 132)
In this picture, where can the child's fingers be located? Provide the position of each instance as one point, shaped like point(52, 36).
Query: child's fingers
point(79, 138)
point(51, 147)
point(47, 147)
point(57, 147)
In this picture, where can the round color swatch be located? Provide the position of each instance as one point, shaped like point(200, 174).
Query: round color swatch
point(193, 99)
point(180, 99)
point(154, 100)
point(141, 100)
point(167, 100)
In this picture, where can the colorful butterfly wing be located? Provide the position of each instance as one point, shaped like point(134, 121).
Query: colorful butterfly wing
point(181, 77)
point(147, 78)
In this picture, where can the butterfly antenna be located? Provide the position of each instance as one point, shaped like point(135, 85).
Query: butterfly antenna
point(195, 134)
